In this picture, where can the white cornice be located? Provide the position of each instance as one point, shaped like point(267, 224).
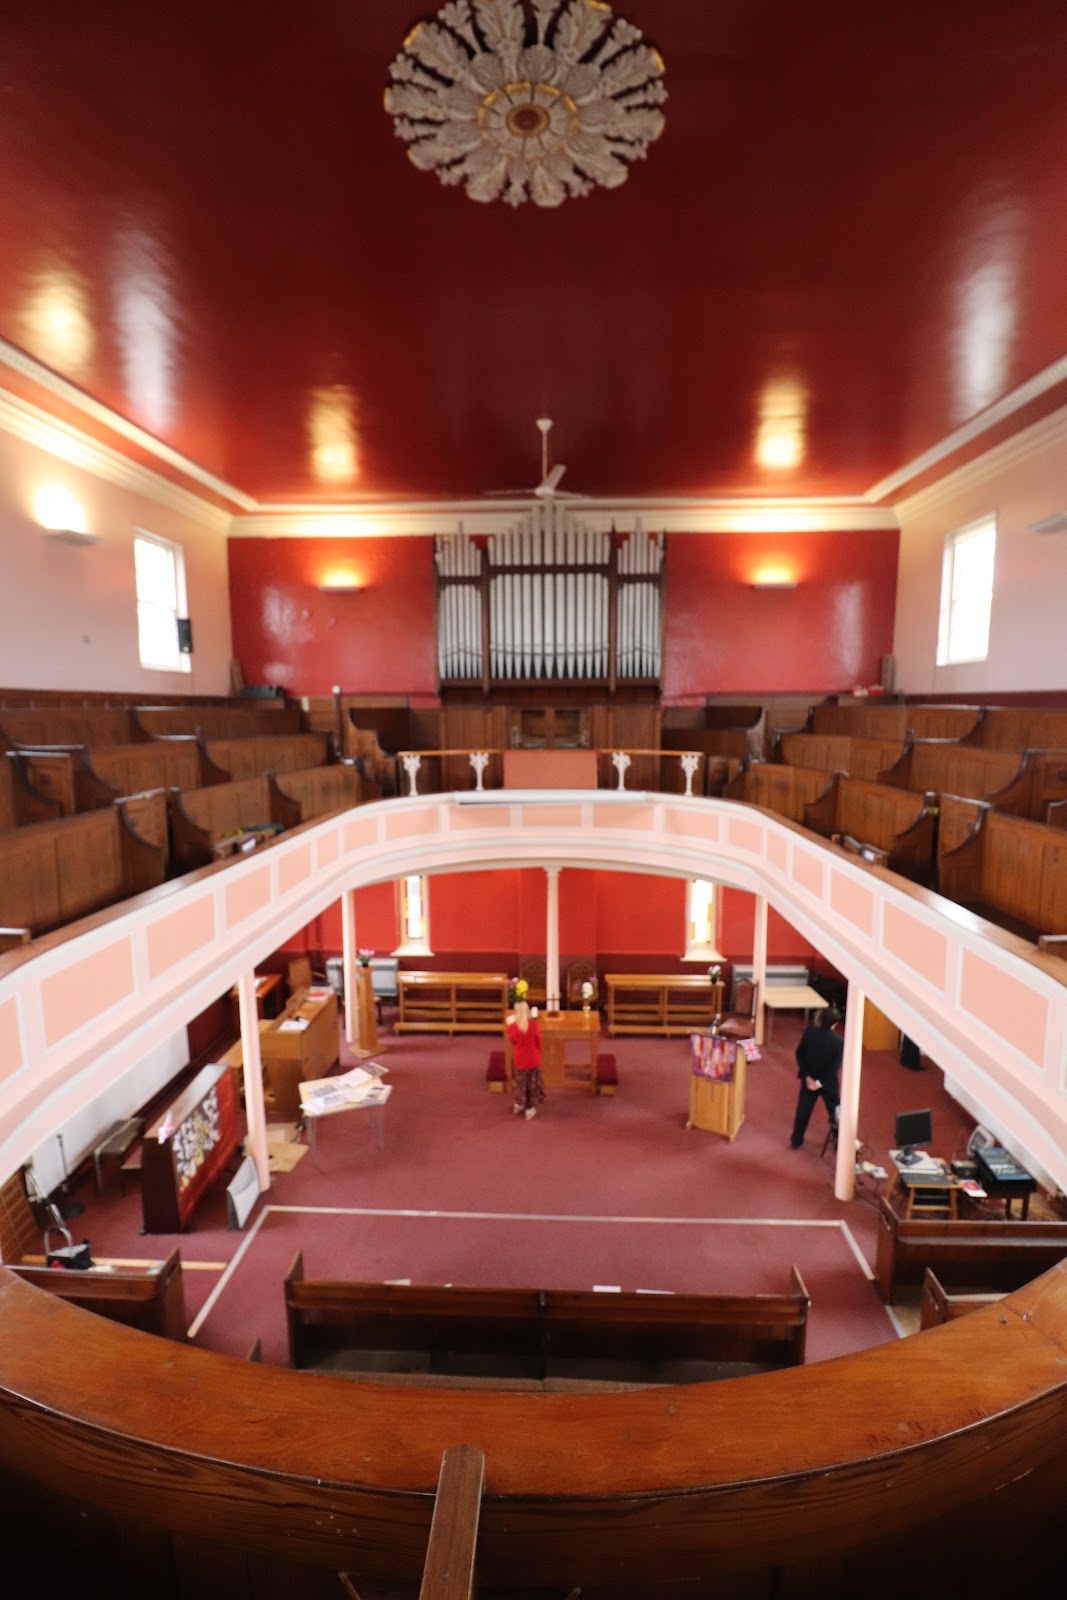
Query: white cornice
point(25, 421)
point(406, 519)
point(1048, 434)
point(1027, 392)
point(18, 361)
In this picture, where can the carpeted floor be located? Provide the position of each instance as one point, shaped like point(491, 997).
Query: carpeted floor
point(595, 1190)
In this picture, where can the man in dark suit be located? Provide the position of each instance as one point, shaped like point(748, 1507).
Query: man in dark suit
point(818, 1068)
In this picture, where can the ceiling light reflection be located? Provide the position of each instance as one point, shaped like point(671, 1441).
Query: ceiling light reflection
point(56, 324)
point(780, 436)
point(144, 314)
point(332, 435)
point(986, 312)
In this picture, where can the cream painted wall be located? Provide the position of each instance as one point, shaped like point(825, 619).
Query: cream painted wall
point(1022, 481)
point(68, 614)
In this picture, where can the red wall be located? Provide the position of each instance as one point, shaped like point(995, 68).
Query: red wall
point(600, 914)
point(287, 631)
point(722, 635)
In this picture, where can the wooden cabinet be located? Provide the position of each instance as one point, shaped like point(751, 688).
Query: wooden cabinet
point(661, 1003)
point(451, 1002)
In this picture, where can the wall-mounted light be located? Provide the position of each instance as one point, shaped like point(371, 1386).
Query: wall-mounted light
point(62, 516)
point(340, 580)
point(773, 578)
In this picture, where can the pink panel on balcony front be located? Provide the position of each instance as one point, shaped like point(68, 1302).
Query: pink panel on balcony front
point(360, 835)
point(922, 949)
point(745, 836)
point(551, 816)
point(247, 896)
point(470, 819)
point(86, 991)
point(809, 873)
point(623, 816)
point(778, 852)
point(410, 824)
point(1005, 1005)
point(180, 936)
point(10, 1045)
point(294, 869)
point(328, 848)
point(694, 824)
point(852, 901)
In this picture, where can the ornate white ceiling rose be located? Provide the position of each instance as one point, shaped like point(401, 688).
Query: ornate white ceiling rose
point(527, 99)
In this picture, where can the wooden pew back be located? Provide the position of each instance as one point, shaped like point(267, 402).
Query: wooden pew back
point(163, 764)
point(786, 790)
point(939, 1306)
point(859, 757)
point(954, 769)
point(896, 822)
point(149, 1298)
point(1019, 728)
point(250, 758)
point(1010, 869)
point(239, 720)
point(322, 789)
point(997, 1254)
point(97, 725)
point(875, 720)
point(54, 872)
point(201, 818)
point(21, 801)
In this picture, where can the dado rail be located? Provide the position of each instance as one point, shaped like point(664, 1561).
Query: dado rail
point(756, 1486)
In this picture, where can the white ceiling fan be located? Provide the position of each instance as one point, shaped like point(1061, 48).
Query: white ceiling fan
point(551, 477)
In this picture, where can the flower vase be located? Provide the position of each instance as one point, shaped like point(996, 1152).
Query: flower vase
point(367, 1011)
point(585, 1006)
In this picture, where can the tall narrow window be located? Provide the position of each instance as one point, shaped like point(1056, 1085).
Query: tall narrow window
point(160, 602)
point(700, 921)
point(414, 917)
point(967, 593)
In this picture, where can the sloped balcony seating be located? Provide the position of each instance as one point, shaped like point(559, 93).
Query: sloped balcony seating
point(241, 720)
point(52, 873)
point(287, 752)
point(876, 720)
point(201, 819)
point(1019, 728)
point(20, 800)
point(85, 780)
point(322, 789)
point(899, 825)
point(1007, 869)
point(1023, 784)
point(860, 758)
point(786, 790)
point(58, 725)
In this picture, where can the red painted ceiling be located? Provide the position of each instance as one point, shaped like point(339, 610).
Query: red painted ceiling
point(206, 220)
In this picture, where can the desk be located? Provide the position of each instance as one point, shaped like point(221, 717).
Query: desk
point(1004, 1178)
point(374, 1100)
point(292, 1054)
point(666, 1003)
point(930, 1189)
point(578, 1029)
point(790, 997)
point(451, 1002)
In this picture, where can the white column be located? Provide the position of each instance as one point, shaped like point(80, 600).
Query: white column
point(255, 1110)
point(350, 966)
point(851, 1066)
point(552, 941)
point(759, 962)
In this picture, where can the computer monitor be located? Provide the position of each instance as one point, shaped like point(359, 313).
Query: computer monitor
point(913, 1127)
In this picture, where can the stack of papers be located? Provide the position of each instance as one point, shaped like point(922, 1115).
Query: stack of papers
point(293, 1025)
point(320, 992)
point(357, 1087)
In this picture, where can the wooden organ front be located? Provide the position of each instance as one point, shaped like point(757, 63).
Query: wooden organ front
point(186, 1148)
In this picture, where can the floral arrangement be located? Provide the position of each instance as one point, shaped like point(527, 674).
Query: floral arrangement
point(364, 957)
point(588, 990)
point(518, 989)
point(714, 973)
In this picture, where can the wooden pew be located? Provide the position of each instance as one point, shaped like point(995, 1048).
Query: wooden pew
point(200, 819)
point(899, 825)
point(240, 719)
point(54, 872)
point(57, 725)
point(860, 758)
point(938, 1305)
point(85, 780)
point(1019, 728)
point(1007, 869)
point(738, 743)
point(21, 801)
point(1022, 784)
point(876, 720)
point(149, 1298)
point(786, 790)
point(250, 758)
point(997, 1254)
point(322, 789)
point(537, 1334)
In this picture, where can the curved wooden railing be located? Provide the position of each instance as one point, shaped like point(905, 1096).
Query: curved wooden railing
point(754, 1478)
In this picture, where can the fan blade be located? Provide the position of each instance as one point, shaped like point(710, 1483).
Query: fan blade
point(550, 484)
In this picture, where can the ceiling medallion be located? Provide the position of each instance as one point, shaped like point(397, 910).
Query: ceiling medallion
point(527, 99)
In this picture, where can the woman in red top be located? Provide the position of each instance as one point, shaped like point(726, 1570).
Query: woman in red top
point(524, 1031)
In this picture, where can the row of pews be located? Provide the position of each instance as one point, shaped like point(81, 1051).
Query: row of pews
point(970, 801)
point(100, 802)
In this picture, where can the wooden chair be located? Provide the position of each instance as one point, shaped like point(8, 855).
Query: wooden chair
point(535, 970)
point(299, 973)
point(740, 1024)
point(580, 972)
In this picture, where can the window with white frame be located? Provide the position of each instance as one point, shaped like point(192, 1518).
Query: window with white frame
point(700, 908)
point(414, 917)
point(967, 593)
point(160, 602)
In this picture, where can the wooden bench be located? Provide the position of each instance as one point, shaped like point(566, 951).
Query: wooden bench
point(662, 1003)
point(997, 1254)
point(1019, 728)
point(451, 1002)
point(322, 789)
point(61, 725)
point(238, 720)
point(876, 720)
point(938, 1305)
point(1021, 783)
point(86, 780)
point(538, 1334)
point(900, 826)
point(150, 1298)
point(254, 757)
point(21, 802)
point(827, 752)
point(201, 819)
point(1007, 869)
point(54, 872)
point(785, 790)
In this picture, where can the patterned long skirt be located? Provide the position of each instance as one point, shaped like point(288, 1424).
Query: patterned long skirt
point(529, 1088)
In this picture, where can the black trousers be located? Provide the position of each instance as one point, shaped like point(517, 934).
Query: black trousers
point(806, 1101)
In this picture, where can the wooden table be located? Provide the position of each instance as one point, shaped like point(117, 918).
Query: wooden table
point(560, 1029)
point(451, 1002)
point(790, 997)
point(929, 1187)
point(665, 1003)
point(375, 1100)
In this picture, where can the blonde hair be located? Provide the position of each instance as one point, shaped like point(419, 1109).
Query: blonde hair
point(522, 1015)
